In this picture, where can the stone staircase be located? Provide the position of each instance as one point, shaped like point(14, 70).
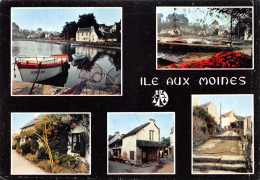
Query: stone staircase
point(219, 164)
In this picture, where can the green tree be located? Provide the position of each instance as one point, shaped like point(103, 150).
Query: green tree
point(69, 30)
point(165, 142)
point(87, 20)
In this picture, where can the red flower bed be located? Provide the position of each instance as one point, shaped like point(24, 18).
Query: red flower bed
point(221, 60)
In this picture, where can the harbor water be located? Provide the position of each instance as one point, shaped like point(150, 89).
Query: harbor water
point(100, 69)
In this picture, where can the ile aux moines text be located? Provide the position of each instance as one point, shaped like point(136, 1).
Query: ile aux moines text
point(203, 81)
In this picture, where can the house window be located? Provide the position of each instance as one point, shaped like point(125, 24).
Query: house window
point(151, 135)
point(132, 155)
point(75, 143)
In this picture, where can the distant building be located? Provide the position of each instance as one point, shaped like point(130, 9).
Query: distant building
point(211, 108)
point(171, 147)
point(89, 34)
point(227, 119)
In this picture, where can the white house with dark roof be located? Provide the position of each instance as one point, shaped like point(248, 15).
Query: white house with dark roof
point(141, 145)
point(114, 144)
point(89, 34)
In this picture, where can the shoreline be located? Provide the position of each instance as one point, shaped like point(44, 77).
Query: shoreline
point(108, 45)
point(23, 88)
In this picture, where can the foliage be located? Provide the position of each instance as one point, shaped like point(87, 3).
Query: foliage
point(85, 20)
point(66, 160)
point(30, 146)
point(42, 154)
point(19, 150)
point(210, 120)
point(165, 143)
point(44, 164)
point(221, 60)
point(31, 157)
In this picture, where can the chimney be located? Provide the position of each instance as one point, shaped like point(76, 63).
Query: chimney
point(152, 121)
point(116, 133)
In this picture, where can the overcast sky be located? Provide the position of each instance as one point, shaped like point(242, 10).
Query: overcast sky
point(53, 19)
point(125, 122)
point(243, 104)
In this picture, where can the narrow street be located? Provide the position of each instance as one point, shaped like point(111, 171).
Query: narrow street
point(166, 166)
point(220, 154)
point(21, 166)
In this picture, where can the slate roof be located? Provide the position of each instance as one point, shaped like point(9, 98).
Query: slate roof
point(239, 118)
point(119, 141)
point(142, 143)
point(110, 137)
point(33, 121)
point(84, 29)
point(136, 130)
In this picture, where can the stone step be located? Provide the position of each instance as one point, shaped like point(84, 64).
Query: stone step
point(226, 137)
point(219, 166)
point(227, 159)
point(197, 171)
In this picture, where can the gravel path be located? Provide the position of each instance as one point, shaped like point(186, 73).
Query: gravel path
point(22, 166)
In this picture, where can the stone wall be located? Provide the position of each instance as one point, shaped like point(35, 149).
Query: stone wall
point(200, 131)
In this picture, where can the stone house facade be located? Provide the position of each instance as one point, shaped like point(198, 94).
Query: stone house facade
point(141, 145)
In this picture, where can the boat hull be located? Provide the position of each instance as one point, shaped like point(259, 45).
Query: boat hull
point(41, 68)
point(30, 75)
point(78, 57)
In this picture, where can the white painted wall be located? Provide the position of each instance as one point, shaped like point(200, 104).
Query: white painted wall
point(129, 144)
point(144, 133)
point(212, 109)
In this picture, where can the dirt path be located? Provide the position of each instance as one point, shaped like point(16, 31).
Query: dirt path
point(20, 165)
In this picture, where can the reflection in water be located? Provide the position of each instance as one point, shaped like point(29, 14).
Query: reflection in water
point(97, 64)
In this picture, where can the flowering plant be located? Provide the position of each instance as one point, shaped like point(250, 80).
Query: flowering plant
point(221, 60)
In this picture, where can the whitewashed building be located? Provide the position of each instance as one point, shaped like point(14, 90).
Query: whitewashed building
point(114, 144)
point(89, 34)
point(141, 145)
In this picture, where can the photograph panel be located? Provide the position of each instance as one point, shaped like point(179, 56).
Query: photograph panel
point(223, 134)
point(66, 51)
point(50, 143)
point(204, 38)
point(141, 143)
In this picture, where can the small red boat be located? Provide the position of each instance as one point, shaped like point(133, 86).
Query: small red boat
point(35, 69)
point(179, 41)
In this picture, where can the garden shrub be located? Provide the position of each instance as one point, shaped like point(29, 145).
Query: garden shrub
point(66, 160)
point(42, 154)
point(19, 150)
point(44, 164)
point(30, 146)
point(54, 145)
point(14, 145)
point(26, 147)
point(31, 157)
point(221, 60)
